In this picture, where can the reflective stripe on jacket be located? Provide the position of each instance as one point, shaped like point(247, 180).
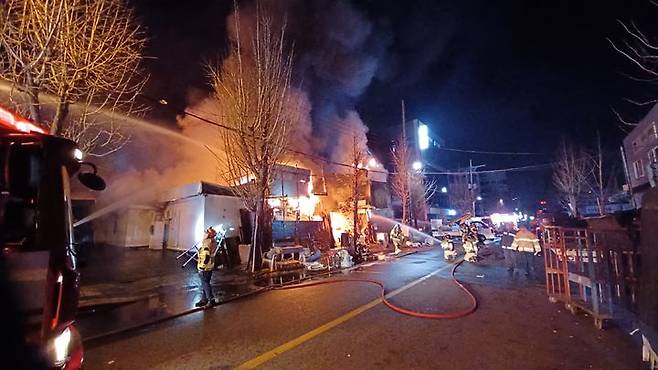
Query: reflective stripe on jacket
point(205, 260)
point(526, 245)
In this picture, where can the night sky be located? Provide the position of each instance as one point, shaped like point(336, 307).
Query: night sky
point(514, 76)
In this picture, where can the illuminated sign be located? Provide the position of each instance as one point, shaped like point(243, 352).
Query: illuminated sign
point(423, 136)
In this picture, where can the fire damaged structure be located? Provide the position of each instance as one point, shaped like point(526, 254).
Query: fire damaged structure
point(176, 221)
point(306, 209)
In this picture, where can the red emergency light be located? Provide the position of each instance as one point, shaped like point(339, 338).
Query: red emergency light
point(17, 122)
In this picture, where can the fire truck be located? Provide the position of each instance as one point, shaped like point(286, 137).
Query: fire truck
point(38, 250)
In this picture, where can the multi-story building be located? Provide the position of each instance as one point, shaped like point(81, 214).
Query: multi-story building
point(495, 192)
point(641, 154)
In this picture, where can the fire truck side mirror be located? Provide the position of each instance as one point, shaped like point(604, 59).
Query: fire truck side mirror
point(91, 179)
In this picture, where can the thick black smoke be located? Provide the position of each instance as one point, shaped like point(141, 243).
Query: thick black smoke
point(338, 51)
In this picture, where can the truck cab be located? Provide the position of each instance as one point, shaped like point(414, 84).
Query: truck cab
point(38, 249)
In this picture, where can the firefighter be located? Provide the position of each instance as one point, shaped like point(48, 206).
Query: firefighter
point(506, 241)
point(526, 247)
point(470, 246)
point(468, 243)
point(473, 229)
point(397, 238)
point(449, 252)
point(205, 265)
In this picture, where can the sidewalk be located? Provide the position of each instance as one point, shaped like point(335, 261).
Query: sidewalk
point(123, 288)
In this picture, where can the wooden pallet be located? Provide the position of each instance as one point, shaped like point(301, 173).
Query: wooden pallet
point(601, 319)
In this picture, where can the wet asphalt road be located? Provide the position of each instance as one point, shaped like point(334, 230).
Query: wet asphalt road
point(515, 327)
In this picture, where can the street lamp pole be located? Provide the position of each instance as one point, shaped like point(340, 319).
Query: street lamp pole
point(408, 174)
point(471, 185)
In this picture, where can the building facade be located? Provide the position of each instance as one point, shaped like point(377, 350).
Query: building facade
point(495, 193)
point(641, 154)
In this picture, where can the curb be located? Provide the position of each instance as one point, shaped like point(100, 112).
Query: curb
point(99, 337)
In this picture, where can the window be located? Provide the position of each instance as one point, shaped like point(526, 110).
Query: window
point(638, 169)
point(653, 131)
point(22, 167)
point(653, 155)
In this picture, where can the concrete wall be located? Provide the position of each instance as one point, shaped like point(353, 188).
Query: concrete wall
point(223, 210)
point(648, 296)
point(187, 219)
point(129, 227)
point(184, 222)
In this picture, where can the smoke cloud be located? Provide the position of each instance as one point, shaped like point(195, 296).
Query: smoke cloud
point(158, 159)
point(337, 54)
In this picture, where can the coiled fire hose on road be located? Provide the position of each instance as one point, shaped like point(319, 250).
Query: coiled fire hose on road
point(424, 315)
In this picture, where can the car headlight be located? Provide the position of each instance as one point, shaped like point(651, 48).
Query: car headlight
point(59, 347)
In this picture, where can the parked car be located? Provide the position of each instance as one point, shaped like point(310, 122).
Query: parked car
point(485, 232)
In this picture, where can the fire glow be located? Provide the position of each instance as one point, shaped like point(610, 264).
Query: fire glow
point(304, 206)
point(339, 225)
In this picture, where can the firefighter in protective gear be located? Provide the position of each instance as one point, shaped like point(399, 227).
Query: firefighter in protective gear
point(205, 265)
point(449, 252)
point(506, 241)
point(397, 238)
point(526, 247)
point(469, 242)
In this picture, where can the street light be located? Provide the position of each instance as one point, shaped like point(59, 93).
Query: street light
point(417, 165)
point(444, 190)
point(479, 198)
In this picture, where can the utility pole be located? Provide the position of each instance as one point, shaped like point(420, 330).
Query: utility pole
point(471, 185)
point(627, 175)
point(408, 175)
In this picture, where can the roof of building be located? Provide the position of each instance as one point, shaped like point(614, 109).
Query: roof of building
point(194, 189)
point(650, 118)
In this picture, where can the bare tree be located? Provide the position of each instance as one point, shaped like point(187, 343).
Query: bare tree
point(253, 89)
point(74, 66)
point(358, 179)
point(598, 182)
point(570, 174)
point(401, 155)
point(602, 181)
point(641, 50)
point(422, 191)
point(460, 195)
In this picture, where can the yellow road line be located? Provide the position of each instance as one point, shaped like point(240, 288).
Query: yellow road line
point(269, 355)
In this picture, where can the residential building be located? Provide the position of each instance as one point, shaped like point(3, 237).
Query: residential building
point(641, 153)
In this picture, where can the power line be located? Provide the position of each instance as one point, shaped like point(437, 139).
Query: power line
point(510, 169)
point(487, 152)
point(317, 157)
point(325, 160)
